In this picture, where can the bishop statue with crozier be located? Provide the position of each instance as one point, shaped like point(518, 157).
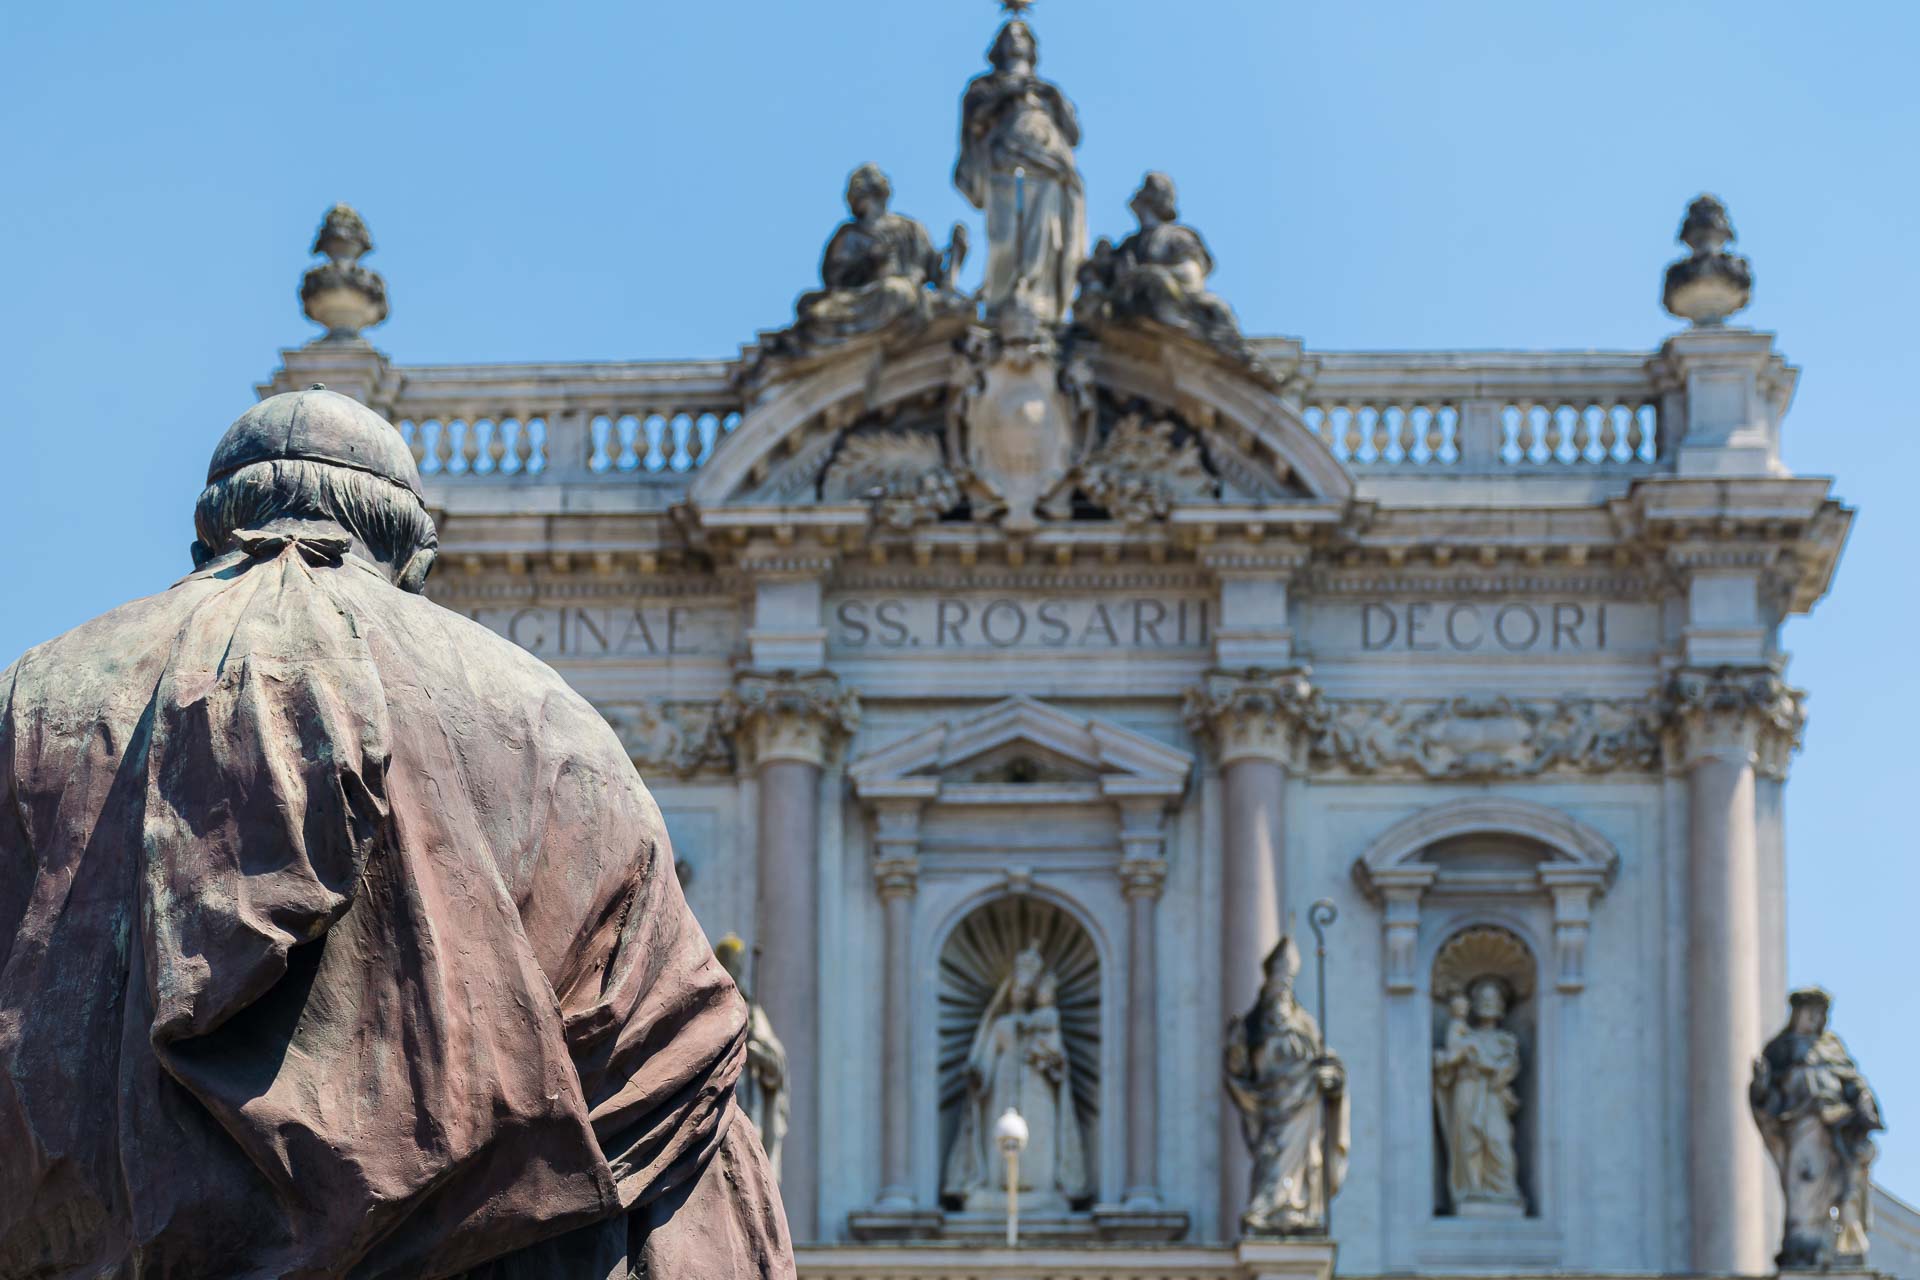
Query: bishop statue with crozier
point(1291, 1092)
point(338, 936)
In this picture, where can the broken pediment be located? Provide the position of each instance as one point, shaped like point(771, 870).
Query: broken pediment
point(1021, 432)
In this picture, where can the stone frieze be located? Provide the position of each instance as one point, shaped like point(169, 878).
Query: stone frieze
point(1487, 737)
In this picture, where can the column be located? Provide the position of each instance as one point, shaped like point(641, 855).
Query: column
point(896, 870)
point(1254, 721)
point(1143, 873)
point(785, 726)
point(1728, 722)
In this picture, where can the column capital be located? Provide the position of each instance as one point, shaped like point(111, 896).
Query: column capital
point(896, 877)
point(1256, 713)
point(1743, 713)
point(1142, 877)
point(784, 715)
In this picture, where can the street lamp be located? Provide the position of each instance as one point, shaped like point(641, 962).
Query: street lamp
point(1010, 1132)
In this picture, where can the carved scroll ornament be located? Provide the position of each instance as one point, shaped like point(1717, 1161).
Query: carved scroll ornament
point(1488, 736)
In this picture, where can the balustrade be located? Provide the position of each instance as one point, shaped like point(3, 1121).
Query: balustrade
point(1399, 412)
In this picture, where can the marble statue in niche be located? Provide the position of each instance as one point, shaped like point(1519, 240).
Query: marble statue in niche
point(1017, 135)
point(880, 269)
point(1291, 1091)
point(1480, 974)
point(1018, 1059)
point(763, 1082)
point(1158, 274)
point(1817, 1115)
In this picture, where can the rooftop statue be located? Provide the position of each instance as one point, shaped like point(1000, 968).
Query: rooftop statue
point(1017, 135)
point(1817, 1115)
point(1711, 284)
point(1159, 274)
point(880, 270)
point(381, 966)
point(340, 293)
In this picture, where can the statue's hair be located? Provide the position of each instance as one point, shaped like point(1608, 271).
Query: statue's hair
point(387, 517)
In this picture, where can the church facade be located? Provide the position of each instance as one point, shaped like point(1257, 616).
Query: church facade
point(1016, 669)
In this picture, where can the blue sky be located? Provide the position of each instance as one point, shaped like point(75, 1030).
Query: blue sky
point(572, 181)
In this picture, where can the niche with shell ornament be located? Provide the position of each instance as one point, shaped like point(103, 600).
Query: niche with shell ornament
point(1485, 1095)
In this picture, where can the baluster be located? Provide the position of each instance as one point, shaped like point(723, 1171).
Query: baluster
point(632, 433)
point(1555, 437)
point(680, 458)
point(1637, 433)
point(1436, 433)
point(1582, 436)
point(709, 425)
point(1352, 436)
point(1523, 433)
point(526, 449)
point(656, 428)
point(1381, 436)
point(416, 441)
point(1609, 433)
point(1409, 434)
point(601, 434)
point(496, 444)
point(442, 446)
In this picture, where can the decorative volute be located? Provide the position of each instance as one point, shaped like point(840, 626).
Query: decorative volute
point(1710, 284)
point(339, 293)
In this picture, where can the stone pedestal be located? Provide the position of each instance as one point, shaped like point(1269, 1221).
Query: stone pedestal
point(1263, 1259)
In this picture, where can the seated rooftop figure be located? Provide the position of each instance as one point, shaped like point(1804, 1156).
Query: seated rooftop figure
point(338, 936)
point(1158, 273)
point(880, 268)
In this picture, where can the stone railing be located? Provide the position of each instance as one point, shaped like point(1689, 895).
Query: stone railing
point(617, 421)
point(1414, 413)
point(1504, 412)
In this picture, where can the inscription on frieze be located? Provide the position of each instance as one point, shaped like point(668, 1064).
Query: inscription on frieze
point(872, 624)
point(1547, 626)
point(648, 629)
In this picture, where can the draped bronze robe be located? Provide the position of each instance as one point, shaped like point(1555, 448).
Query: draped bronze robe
point(338, 937)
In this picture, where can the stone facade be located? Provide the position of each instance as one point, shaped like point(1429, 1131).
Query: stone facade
point(1161, 635)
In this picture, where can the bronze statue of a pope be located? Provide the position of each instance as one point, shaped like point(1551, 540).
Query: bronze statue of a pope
point(338, 936)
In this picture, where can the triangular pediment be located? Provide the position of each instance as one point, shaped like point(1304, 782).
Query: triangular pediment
point(1022, 745)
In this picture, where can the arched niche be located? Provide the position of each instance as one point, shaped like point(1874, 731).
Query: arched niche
point(1469, 1045)
point(976, 976)
point(1487, 848)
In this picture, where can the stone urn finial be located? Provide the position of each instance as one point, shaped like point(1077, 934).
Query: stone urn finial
point(340, 293)
point(1710, 284)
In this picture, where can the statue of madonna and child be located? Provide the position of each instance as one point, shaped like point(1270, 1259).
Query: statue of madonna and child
point(1480, 974)
point(1018, 1060)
